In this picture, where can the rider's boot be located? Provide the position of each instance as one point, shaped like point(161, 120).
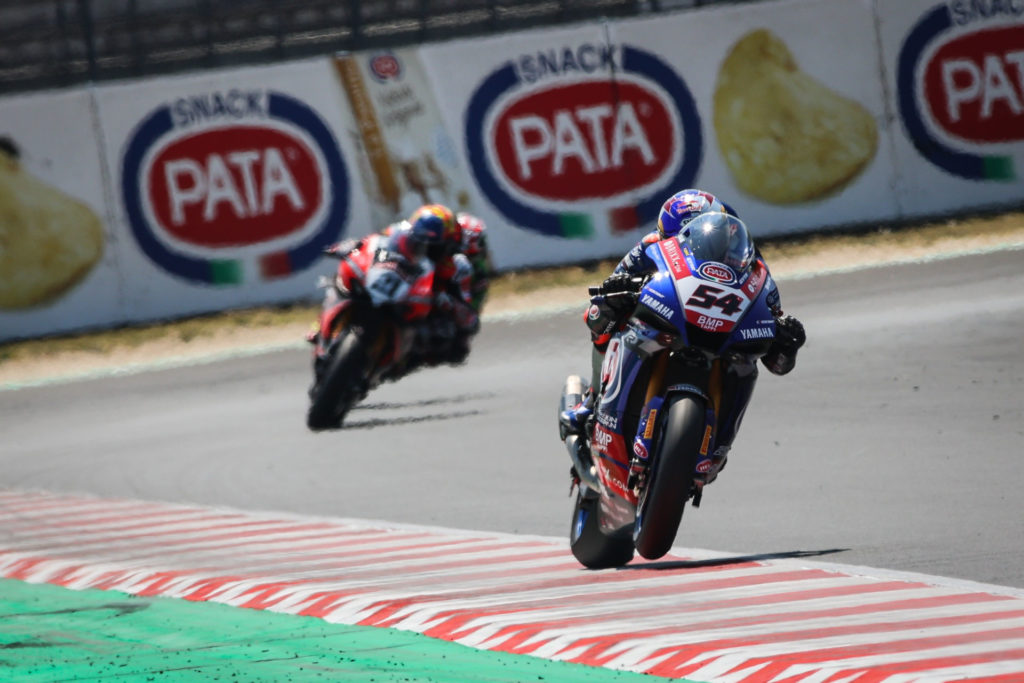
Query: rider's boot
point(574, 420)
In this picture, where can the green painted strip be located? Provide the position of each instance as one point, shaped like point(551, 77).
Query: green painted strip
point(226, 271)
point(49, 633)
point(576, 225)
point(999, 168)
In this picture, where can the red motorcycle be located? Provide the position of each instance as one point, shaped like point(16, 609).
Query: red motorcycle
point(367, 326)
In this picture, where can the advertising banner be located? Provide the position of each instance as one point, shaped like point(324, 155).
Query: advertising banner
point(228, 185)
point(955, 73)
point(575, 137)
point(57, 267)
point(571, 141)
point(792, 131)
point(186, 194)
point(406, 154)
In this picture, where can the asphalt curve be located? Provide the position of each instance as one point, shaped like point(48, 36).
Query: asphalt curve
point(896, 443)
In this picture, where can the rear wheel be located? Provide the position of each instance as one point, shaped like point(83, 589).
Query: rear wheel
point(670, 481)
point(338, 385)
point(591, 546)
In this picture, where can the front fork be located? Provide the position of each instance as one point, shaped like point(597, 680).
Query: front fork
point(647, 427)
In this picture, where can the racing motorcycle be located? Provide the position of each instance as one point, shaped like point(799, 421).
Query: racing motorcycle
point(648, 447)
point(365, 331)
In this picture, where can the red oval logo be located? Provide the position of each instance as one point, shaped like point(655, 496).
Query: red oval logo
point(385, 67)
point(974, 85)
point(584, 141)
point(640, 450)
point(716, 272)
point(234, 186)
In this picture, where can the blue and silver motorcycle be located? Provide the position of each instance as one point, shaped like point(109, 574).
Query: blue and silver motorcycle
point(650, 444)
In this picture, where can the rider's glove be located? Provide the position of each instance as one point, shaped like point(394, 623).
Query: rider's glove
point(789, 333)
point(619, 293)
point(618, 282)
point(344, 247)
point(789, 337)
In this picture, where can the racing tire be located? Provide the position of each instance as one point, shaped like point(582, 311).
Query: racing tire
point(670, 480)
point(338, 386)
point(591, 546)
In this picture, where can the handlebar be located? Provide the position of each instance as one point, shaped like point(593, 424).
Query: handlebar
point(636, 283)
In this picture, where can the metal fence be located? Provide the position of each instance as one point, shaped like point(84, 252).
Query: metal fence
point(53, 43)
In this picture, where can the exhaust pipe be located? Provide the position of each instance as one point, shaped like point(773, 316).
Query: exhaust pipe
point(584, 465)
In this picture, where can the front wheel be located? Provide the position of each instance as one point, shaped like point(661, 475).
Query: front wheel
point(591, 546)
point(338, 385)
point(670, 480)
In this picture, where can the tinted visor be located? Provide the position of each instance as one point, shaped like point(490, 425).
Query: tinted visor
point(407, 244)
point(720, 237)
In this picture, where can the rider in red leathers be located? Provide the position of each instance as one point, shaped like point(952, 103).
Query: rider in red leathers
point(432, 231)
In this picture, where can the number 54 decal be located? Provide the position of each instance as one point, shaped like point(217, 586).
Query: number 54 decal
point(706, 296)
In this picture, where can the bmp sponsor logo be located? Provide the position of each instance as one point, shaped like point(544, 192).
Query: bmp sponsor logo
point(602, 437)
point(552, 134)
point(236, 186)
point(661, 309)
point(962, 88)
point(710, 324)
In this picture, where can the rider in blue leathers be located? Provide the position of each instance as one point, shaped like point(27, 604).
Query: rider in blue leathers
point(607, 316)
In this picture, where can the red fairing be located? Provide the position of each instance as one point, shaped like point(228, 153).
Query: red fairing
point(421, 298)
point(357, 262)
point(330, 314)
point(758, 276)
point(673, 256)
point(612, 461)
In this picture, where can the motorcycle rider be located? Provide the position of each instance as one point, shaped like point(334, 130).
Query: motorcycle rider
point(477, 251)
point(608, 314)
point(455, 319)
point(464, 283)
point(430, 232)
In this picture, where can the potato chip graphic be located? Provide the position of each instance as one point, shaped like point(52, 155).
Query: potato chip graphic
point(785, 137)
point(48, 240)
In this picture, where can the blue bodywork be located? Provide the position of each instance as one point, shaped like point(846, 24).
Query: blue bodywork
point(660, 322)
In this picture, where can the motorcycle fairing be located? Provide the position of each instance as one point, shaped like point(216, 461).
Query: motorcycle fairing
point(387, 280)
point(623, 360)
point(711, 303)
point(645, 430)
